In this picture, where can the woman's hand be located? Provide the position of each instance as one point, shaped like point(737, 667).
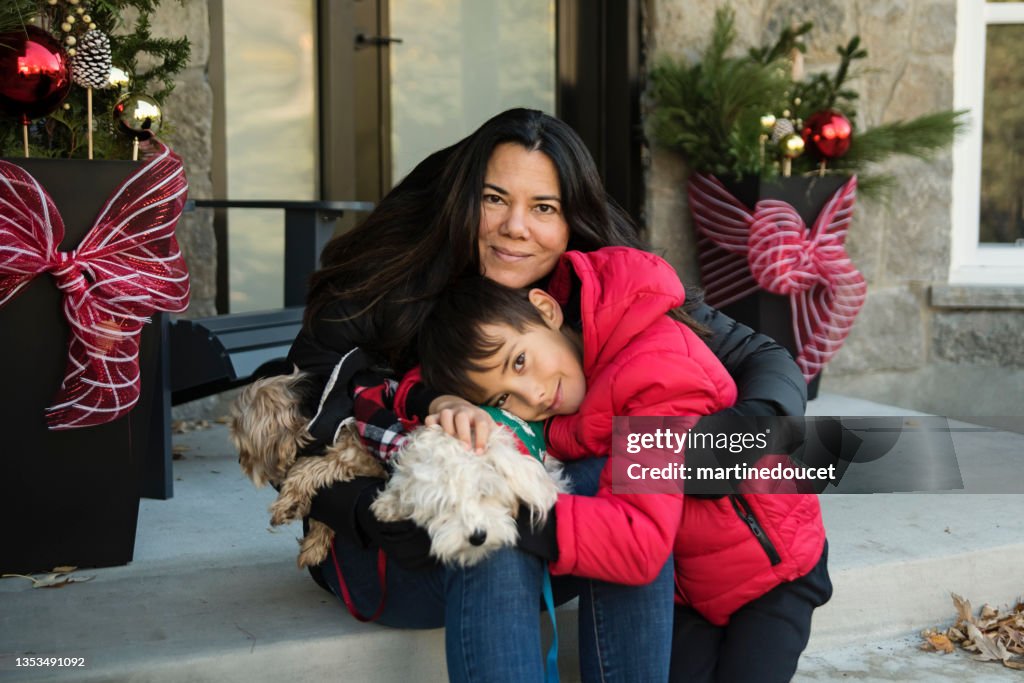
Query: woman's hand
point(463, 420)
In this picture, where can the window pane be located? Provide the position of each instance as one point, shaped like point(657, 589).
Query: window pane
point(460, 63)
point(271, 130)
point(1002, 157)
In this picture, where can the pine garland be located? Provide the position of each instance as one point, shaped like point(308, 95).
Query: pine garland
point(703, 109)
point(63, 133)
point(710, 110)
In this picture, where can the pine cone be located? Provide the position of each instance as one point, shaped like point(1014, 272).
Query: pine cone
point(782, 128)
point(90, 67)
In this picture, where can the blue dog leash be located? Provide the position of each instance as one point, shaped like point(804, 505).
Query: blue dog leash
point(551, 666)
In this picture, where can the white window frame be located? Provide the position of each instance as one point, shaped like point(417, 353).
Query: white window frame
point(970, 261)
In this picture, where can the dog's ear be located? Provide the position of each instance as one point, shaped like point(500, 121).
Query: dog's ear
point(525, 476)
point(268, 428)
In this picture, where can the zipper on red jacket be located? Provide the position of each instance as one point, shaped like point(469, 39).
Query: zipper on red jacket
point(743, 509)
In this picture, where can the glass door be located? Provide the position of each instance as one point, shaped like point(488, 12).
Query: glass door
point(267, 135)
point(460, 62)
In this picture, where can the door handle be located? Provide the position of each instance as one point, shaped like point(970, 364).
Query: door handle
point(363, 40)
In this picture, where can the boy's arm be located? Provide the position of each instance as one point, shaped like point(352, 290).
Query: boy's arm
point(627, 537)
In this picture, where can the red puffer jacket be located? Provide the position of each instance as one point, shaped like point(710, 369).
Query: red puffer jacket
point(638, 361)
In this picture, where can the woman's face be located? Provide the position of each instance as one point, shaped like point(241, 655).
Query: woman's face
point(522, 228)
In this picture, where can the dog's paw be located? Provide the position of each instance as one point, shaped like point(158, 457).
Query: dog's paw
point(314, 548)
point(388, 506)
point(286, 509)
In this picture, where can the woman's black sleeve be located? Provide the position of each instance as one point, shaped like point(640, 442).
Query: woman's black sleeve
point(767, 378)
point(348, 382)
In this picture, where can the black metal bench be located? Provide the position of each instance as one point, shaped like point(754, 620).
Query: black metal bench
point(205, 356)
point(211, 355)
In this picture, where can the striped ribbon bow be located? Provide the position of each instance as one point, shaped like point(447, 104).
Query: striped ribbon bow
point(772, 249)
point(127, 266)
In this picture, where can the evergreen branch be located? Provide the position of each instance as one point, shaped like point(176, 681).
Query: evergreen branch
point(846, 56)
point(920, 137)
point(876, 186)
point(723, 34)
point(14, 16)
point(789, 39)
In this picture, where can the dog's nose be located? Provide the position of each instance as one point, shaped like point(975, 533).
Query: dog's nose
point(478, 537)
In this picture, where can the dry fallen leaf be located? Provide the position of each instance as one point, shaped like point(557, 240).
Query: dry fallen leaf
point(1014, 638)
point(963, 609)
point(63, 569)
point(180, 448)
point(223, 420)
point(54, 580)
point(991, 636)
point(937, 642)
point(989, 649)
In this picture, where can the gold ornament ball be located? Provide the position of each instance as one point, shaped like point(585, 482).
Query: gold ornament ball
point(73, 2)
point(65, 27)
point(792, 146)
point(768, 122)
point(92, 27)
point(118, 78)
point(138, 115)
point(51, 2)
point(72, 52)
point(70, 18)
point(70, 40)
point(86, 18)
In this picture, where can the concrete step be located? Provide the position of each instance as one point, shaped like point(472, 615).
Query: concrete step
point(896, 557)
point(898, 659)
point(214, 595)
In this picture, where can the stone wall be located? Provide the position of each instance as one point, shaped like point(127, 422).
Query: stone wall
point(189, 110)
point(917, 343)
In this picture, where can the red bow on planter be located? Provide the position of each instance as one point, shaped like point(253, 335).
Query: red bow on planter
point(127, 266)
point(773, 249)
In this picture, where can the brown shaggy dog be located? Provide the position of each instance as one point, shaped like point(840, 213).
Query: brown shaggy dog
point(268, 430)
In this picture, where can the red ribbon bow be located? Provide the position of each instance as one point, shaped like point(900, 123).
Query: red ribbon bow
point(127, 267)
point(773, 249)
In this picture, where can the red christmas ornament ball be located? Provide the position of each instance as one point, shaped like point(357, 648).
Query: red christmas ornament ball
point(827, 134)
point(35, 75)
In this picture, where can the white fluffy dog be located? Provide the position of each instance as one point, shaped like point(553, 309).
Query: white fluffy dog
point(468, 503)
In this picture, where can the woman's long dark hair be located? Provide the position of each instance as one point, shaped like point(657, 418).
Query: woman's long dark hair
point(423, 234)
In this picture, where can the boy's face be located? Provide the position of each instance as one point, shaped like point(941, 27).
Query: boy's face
point(536, 373)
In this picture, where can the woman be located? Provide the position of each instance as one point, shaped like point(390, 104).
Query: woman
point(505, 202)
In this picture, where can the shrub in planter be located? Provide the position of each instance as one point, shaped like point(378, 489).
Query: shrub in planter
point(777, 160)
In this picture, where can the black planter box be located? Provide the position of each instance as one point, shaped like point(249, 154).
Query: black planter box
point(763, 311)
point(68, 497)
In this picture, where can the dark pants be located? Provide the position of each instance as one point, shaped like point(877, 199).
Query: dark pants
point(762, 641)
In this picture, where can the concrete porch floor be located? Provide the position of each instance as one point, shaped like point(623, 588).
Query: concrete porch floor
point(214, 595)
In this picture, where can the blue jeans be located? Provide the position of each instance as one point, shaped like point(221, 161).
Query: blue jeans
point(491, 617)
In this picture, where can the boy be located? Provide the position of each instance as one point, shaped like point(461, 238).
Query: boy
point(605, 339)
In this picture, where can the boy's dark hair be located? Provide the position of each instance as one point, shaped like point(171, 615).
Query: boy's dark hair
point(452, 342)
